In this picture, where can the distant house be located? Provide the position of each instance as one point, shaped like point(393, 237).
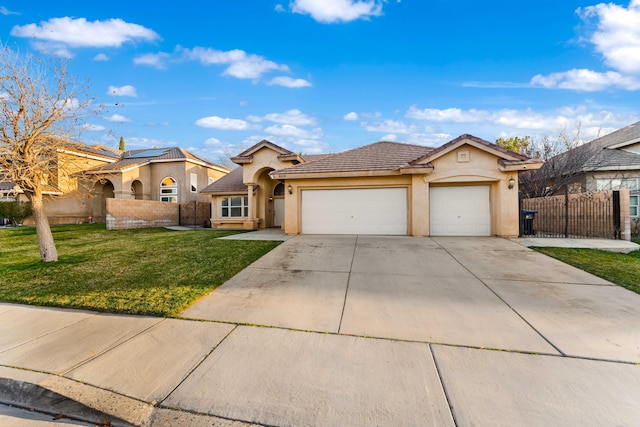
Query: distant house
point(611, 162)
point(466, 187)
point(171, 175)
point(616, 164)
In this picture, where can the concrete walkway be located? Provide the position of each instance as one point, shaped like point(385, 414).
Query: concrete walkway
point(353, 330)
point(620, 246)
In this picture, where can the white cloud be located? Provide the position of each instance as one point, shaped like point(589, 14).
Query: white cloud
point(92, 127)
point(351, 117)
point(117, 118)
point(450, 115)
point(126, 90)
point(586, 80)
point(213, 142)
point(391, 126)
point(389, 137)
point(215, 122)
point(526, 120)
point(101, 57)
point(294, 132)
point(78, 32)
point(331, 11)
point(291, 117)
point(617, 36)
point(157, 60)
point(59, 50)
point(240, 64)
point(289, 82)
point(279, 8)
point(5, 11)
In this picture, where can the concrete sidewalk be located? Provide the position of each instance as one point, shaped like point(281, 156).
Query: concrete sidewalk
point(351, 330)
point(621, 246)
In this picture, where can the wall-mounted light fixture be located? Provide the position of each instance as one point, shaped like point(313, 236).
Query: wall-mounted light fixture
point(290, 189)
point(271, 199)
point(512, 183)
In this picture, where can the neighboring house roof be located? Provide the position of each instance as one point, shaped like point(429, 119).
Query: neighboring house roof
point(231, 183)
point(609, 152)
point(136, 158)
point(7, 186)
point(283, 154)
point(377, 156)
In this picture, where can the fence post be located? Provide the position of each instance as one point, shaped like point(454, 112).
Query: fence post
point(566, 211)
point(616, 215)
point(520, 217)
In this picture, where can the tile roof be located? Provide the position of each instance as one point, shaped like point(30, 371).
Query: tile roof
point(598, 153)
point(7, 186)
point(133, 158)
point(231, 183)
point(378, 156)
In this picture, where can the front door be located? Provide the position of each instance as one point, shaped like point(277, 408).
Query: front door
point(278, 211)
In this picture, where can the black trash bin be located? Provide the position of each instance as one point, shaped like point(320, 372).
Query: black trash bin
point(527, 222)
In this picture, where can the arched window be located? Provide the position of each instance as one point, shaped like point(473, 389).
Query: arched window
point(169, 190)
point(278, 190)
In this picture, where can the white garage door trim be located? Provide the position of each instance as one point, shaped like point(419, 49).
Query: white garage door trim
point(460, 211)
point(380, 211)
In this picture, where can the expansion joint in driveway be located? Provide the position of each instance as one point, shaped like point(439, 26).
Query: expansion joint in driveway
point(346, 291)
point(504, 302)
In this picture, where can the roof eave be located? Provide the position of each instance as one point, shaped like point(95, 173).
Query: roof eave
point(333, 174)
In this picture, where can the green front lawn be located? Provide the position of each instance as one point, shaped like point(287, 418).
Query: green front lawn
point(621, 269)
point(151, 271)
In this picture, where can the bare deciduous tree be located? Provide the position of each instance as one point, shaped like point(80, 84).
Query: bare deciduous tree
point(566, 162)
point(40, 109)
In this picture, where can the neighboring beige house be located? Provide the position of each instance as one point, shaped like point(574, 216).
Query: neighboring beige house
point(466, 187)
point(616, 165)
point(171, 175)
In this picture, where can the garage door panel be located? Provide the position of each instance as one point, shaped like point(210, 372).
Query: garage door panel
point(460, 211)
point(355, 211)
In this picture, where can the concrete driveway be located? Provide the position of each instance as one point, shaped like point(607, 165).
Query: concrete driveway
point(355, 331)
point(480, 330)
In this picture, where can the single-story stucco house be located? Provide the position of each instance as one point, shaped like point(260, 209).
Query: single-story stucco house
point(467, 187)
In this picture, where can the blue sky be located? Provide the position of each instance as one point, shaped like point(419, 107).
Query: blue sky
point(316, 76)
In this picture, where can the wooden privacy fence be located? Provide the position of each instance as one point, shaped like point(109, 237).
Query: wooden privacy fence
point(195, 214)
point(582, 215)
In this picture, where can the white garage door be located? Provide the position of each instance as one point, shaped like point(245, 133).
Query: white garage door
point(460, 211)
point(355, 211)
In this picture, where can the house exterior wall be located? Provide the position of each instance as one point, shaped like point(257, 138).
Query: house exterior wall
point(292, 202)
point(480, 169)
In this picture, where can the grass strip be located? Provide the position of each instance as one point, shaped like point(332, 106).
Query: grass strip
point(152, 271)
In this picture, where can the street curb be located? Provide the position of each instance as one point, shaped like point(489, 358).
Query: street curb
point(34, 397)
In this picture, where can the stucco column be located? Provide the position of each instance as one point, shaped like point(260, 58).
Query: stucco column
point(251, 200)
point(251, 222)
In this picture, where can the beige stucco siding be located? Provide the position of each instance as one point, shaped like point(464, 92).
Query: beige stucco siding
point(476, 168)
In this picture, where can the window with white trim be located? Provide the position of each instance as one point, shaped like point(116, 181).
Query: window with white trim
point(633, 205)
point(235, 207)
point(194, 182)
point(169, 190)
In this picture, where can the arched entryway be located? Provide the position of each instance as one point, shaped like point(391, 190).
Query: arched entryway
point(136, 190)
point(102, 190)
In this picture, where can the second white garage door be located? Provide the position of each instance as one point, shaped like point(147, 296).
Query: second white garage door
point(460, 211)
point(355, 211)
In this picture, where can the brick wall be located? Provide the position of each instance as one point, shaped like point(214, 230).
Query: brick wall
point(127, 213)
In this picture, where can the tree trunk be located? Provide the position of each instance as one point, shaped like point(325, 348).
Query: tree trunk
point(48, 251)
